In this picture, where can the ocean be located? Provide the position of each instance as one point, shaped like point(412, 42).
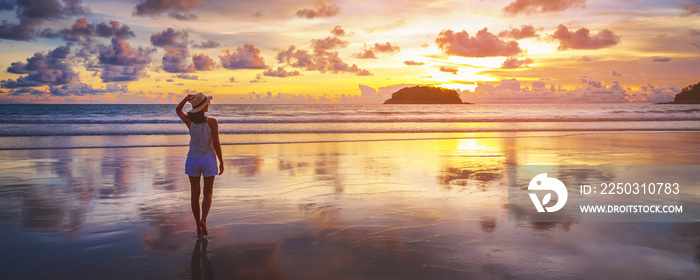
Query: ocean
point(98, 125)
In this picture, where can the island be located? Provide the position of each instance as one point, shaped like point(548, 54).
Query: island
point(425, 95)
point(689, 95)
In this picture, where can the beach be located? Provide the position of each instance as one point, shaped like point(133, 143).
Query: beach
point(390, 209)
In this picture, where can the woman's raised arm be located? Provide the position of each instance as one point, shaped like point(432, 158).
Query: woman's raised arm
point(181, 114)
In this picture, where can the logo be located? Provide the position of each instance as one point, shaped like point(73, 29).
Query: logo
point(542, 183)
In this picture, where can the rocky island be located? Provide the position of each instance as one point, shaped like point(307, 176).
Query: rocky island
point(689, 95)
point(425, 95)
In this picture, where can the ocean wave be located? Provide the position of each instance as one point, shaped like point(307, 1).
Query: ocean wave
point(341, 131)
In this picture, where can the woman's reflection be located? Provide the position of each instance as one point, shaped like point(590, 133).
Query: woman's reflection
point(200, 259)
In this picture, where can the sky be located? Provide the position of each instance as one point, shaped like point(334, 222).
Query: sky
point(334, 51)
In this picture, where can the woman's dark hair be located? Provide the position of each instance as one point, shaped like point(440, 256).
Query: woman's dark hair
point(197, 117)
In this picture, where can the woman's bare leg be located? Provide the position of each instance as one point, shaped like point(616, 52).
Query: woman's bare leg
point(194, 200)
point(206, 202)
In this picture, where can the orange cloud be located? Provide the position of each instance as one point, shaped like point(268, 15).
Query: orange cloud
point(525, 31)
point(245, 57)
point(582, 40)
point(540, 6)
point(484, 44)
point(370, 51)
point(321, 10)
point(514, 63)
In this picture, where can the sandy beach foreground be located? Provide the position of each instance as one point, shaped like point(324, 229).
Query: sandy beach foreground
point(420, 209)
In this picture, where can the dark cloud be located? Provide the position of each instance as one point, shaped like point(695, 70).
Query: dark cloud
point(177, 61)
point(660, 59)
point(32, 13)
point(82, 31)
point(280, 72)
point(615, 73)
point(591, 83)
point(514, 63)
point(370, 51)
point(540, 6)
point(411, 63)
point(452, 70)
point(209, 44)
point(525, 31)
point(177, 56)
point(7, 5)
point(202, 62)
point(318, 61)
point(48, 9)
point(79, 89)
point(170, 38)
point(321, 10)
point(338, 31)
point(24, 31)
point(188, 77)
point(178, 9)
point(119, 62)
point(24, 91)
point(692, 8)
point(582, 40)
point(245, 57)
point(484, 44)
point(43, 69)
point(258, 78)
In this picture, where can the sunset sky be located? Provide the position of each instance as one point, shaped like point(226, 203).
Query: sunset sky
point(283, 51)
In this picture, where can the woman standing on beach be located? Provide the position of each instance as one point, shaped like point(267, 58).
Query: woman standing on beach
point(201, 161)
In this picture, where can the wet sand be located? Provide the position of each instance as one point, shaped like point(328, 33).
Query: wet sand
point(420, 209)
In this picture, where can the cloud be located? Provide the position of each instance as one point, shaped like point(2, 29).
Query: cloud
point(245, 57)
point(170, 38)
point(511, 91)
point(202, 62)
point(338, 31)
point(177, 61)
point(187, 77)
point(525, 31)
point(321, 10)
point(328, 43)
point(615, 73)
point(582, 40)
point(371, 50)
point(48, 9)
point(514, 63)
point(119, 62)
point(452, 70)
point(177, 9)
point(79, 89)
point(541, 6)
point(412, 63)
point(24, 31)
point(209, 44)
point(323, 62)
point(484, 44)
point(280, 72)
point(32, 13)
point(692, 8)
point(82, 31)
point(43, 69)
point(660, 59)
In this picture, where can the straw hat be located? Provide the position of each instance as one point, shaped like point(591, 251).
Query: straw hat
point(199, 101)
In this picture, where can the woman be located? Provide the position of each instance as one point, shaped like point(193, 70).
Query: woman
point(204, 142)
